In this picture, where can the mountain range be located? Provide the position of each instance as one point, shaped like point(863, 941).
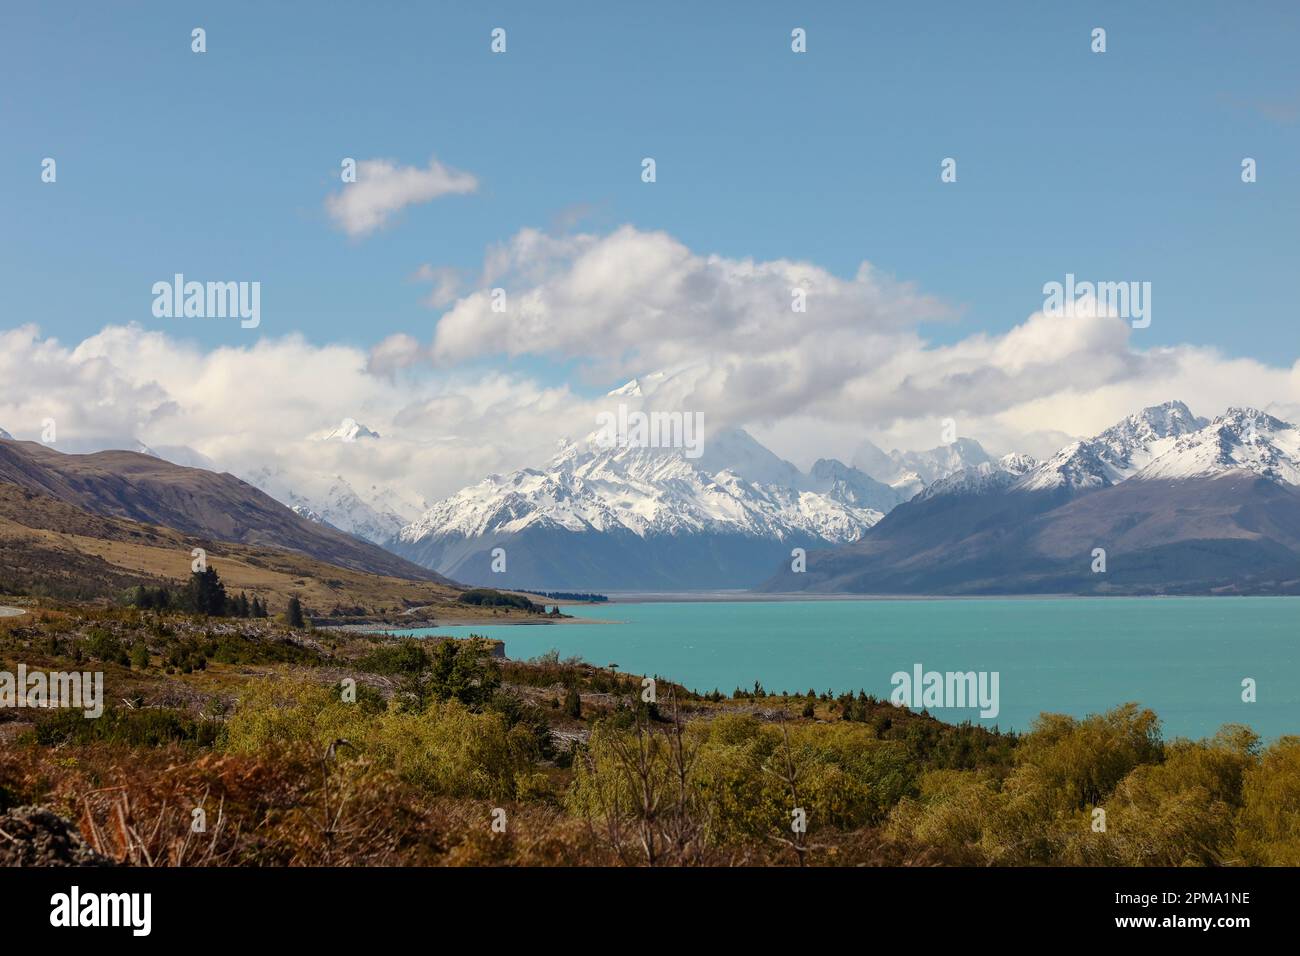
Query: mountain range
point(645, 518)
point(1176, 503)
point(374, 513)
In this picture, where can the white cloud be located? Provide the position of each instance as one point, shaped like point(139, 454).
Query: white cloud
point(855, 366)
point(396, 352)
point(631, 301)
point(252, 408)
point(445, 283)
point(384, 189)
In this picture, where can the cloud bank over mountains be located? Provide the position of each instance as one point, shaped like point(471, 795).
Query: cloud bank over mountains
point(856, 366)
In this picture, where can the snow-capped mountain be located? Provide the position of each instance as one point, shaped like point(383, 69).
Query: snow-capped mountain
point(1240, 439)
point(5, 434)
point(851, 486)
point(1177, 505)
point(329, 499)
point(986, 476)
point(374, 512)
point(302, 511)
point(349, 430)
point(1161, 442)
point(910, 471)
point(1119, 452)
point(611, 517)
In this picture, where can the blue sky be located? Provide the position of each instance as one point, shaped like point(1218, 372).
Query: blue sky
point(1123, 165)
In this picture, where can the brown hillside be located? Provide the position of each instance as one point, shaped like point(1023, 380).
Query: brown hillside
point(48, 547)
point(141, 488)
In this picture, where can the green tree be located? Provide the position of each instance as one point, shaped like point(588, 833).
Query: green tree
point(1269, 825)
point(206, 593)
point(294, 613)
point(463, 671)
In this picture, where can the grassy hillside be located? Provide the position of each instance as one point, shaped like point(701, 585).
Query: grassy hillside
point(51, 548)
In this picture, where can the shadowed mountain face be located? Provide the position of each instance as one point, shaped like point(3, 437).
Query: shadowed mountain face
point(123, 484)
point(615, 560)
point(1235, 532)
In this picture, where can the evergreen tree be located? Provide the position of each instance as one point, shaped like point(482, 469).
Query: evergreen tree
point(207, 595)
point(294, 613)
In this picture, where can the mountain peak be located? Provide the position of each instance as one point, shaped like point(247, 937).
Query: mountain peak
point(682, 520)
point(349, 430)
point(1242, 438)
point(910, 471)
point(632, 389)
point(1119, 452)
point(1160, 421)
point(986, 476)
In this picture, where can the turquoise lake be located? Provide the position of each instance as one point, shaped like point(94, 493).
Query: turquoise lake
point(1185, 658)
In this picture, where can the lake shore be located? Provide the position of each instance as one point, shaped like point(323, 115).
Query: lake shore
point(486, 621)
point(805, 597)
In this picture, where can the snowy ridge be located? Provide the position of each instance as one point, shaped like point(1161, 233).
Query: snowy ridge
point(1241, 438)
point(908, 472)
point(1119, 452)
point(986, 476)
point(349, 430)
point(652, 492)
point(1164, 442)
point(330, 499)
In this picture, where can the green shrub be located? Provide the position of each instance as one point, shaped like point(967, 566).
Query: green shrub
point(147, 727)
point(446, 749)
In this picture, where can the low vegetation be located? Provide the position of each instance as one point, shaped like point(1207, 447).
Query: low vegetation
point(330, 747)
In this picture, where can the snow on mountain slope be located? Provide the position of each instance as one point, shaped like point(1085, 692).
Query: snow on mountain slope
point(649, 492)
point(1160, 442)
point(1119, 452)
point(1241, 438)
point(373, 512)
point(328, 499)
point(735, 450)
point(986, 476)
point(851, 486)
point(349, 430)
point(907, 472)
point(5, 434)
